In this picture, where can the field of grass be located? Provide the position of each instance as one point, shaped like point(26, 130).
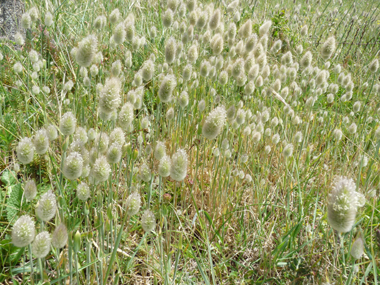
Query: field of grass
point(191, 142)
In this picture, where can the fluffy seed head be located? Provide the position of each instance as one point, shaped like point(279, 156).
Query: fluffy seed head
point(288, 150)
point(73, 165)
point(133, 203)
point(178, 169)
point(83, 191)
point(183, 99)
point(164, 166)
point(217, 44)
point(114, 16)
point(17, 67)
point(304, 31)
point(19, 39)
point(30, 190)
point(328, 48)
point(117, 136)
point(167, 18)
point(49, 19)
point(109, 99)
point(86, 51)
point(264, 29)
point(170, 50)
point(166, 88)
point(223, 77)
point(214, 123)
point(214, 20)
point(47, 206)
point(26, 21)
point(192, 53)
point(100, 22)
point(23, 231)
point(145, 172)
point(342, 204)
point(68, 124)
point(374, 65)
point(41, 141)
point(126, 116)
point(337, 134)
point(357, 248)
point(306, 59)
point(148, 221)
point(119, 33)
point(114, 153)
point(147, 70)
point(41, 245)
point(101, 169)
point(101, 142)
point(246, 29)
point(159, 150)
point(60, 236)
point(25, 150)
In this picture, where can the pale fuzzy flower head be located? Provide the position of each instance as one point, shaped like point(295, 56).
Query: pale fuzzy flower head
point(115, 71)
point(30, 190)
point(33, 12)
point(183, 99)
point(81, 135)
point(166, 88)
point(26, 21)
point(374, 65)
point(178, 169)
point(41, 245)
point(73, 166)
point(337, 133)
point(60, 236)
point(352, 128)
point(110, 95)
point(49, 19)
point(343, 202)
point(126, 116)
point(19, 39)
point(23, 231)
point(170, 50)
point(147, 71)
point(164, 166)
point(159, 150)
point(328, 48)
point(133, 203)
point(148, 221)
point(101, 169)
point(288, 150)
point(68, 124)
point(47, 206)
point(357, 248)
point(17, 67)
point(114, 17)
point(114, 153)
point(117, 136)
point(214, 123)
point(264, 29)
point(68, 86)
point(83, 191)
point(167, 18)
point(41, 141)
point(215, 19)
point(119, 33)
point(86, 51)
point(145, 172)
point(101, 142)
point(25, 150)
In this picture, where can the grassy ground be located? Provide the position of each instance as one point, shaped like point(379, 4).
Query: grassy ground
point(247, 212)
